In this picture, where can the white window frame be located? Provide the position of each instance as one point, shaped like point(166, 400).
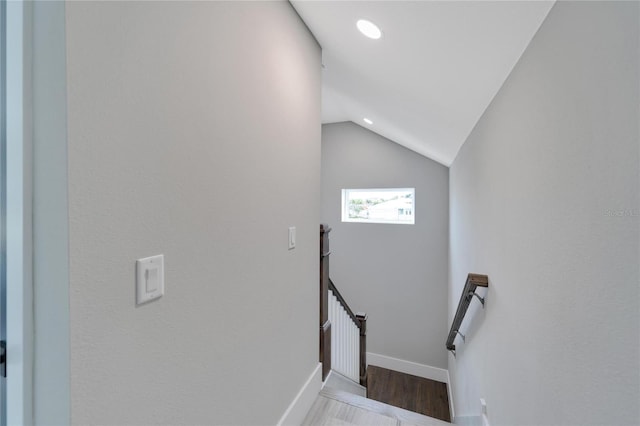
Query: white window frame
point(345, 212)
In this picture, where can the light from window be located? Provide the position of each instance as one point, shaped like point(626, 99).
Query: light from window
point(392, 205)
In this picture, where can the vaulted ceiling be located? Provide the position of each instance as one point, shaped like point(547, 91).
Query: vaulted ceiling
point(426, 82)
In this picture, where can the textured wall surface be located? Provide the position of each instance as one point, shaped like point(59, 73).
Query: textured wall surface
point(545, 200)
point(193, 132)
point(395, 273)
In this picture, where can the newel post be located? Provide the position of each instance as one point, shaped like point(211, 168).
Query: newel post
point(325, 324)
point(362, 319)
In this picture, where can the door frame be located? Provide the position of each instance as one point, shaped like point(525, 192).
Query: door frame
point(18, 219)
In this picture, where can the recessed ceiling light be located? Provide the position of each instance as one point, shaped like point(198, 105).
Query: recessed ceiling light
point(369, 29)
point(366, 120)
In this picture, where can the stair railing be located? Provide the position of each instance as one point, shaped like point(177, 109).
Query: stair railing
point(343, 334)
point(349, 329)
point(468, 293)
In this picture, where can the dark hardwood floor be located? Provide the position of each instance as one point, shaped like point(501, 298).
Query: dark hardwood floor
point(412, 393)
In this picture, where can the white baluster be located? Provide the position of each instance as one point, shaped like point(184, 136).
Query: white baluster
point(332, 318)
point(339, 339)
point(330, 314)
point(345, 340)
point(345, 347)
point(349, 349)
point(358, 354)
point(342, 355)
point(348, 345)
point(342, 351)
point(342, 341)
point(338, 336)
point(353, 349)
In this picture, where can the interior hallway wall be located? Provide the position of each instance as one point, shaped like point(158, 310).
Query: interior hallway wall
point(397, 274)
point(193, 131)
point(545, 200)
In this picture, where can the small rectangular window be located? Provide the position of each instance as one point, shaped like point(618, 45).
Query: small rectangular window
point(389, 205)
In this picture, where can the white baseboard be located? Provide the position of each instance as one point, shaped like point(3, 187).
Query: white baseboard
point(408, 367)
point(452, 410)
point(468, 421)
point(301, 404)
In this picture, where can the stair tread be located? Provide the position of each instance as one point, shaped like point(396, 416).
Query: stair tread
point(338, 381)
point(401, 416)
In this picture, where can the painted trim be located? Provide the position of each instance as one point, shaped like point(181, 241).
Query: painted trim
point(19, 236)
point(324, 383)
point(452, 411)
point(409, 367)
point(301, 404)
point(51, 386)
point(468, 421)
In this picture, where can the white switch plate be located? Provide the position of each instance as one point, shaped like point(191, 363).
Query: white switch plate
point(149, 278)
point(292, 237)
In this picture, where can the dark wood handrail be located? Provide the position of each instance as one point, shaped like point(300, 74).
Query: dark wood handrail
point(473, 281)
point(344, 303)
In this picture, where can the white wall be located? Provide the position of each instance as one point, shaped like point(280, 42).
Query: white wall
point(395, 273)
point(545, 200)
point(193, 131)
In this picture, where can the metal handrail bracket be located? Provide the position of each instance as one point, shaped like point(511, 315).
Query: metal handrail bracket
point(473, 281)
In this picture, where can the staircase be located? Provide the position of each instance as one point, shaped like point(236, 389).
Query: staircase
point(339, 408)
point(343, 334)
point(342, 400)
point(339, 382)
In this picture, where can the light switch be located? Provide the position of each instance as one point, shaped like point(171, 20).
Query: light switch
point(292, 237)
point(149, 278)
